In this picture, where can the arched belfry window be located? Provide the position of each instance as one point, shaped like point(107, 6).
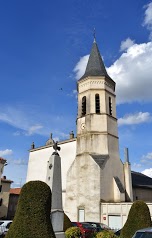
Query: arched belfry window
point(97, 103)
point(110, 106)
point(83, 105)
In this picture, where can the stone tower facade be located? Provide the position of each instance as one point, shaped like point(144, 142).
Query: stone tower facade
point(97, 173)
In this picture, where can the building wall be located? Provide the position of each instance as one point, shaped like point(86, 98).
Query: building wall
point(13, 200)
point(144, 194)
point(117, 210)
point(83, 189)
point(38, 158)
point(2, 163)
point(5, 197)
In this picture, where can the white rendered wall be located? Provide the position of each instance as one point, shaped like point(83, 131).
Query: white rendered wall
point(117, 209)
point(37, 165)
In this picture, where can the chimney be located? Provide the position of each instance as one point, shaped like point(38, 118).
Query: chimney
point(71, 135)
point(32, 146)
point(126, 154)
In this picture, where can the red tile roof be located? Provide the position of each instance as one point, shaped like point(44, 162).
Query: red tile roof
point(15, 191)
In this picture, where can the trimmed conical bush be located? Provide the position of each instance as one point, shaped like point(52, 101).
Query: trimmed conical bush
point(138, 218)
point(67, 223)
point(32, 218)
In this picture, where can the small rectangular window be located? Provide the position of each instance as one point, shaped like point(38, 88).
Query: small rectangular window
point(81, 215)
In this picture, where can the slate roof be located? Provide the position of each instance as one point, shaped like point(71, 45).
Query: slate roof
point(119, 184)
point(95, 66)
point(141, 180)
point(100, 159)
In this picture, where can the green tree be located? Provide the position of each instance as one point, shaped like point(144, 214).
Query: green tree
point(67, 223)
point(138, 218)
point(32, 218)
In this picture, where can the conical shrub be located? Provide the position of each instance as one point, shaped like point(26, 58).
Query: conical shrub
point(67, 223)
point(32, 218)
point(138, 218)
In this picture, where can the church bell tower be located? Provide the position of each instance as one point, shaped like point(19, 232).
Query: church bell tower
point(97, 172)
point(96, 121)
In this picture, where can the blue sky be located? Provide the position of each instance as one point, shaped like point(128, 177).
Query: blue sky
point(44, 47)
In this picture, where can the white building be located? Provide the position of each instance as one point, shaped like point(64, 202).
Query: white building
point(93, 176)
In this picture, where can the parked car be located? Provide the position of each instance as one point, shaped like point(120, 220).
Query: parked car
point(4, 226)
point(99, 226)
point(117, 233)
point(143, 233)
point(86, 229)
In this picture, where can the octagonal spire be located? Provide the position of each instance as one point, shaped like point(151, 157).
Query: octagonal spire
point(95, 66)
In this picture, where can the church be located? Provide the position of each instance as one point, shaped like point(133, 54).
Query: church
point(96, 185)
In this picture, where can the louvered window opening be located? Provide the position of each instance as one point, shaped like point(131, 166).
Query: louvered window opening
point(97, 102)
point(110, 106)
point(84, 106)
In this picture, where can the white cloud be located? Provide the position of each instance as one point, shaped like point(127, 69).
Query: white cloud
point(22, 120)
point(6, 152)
point(73, 93)
point(16, 118)
point(135, 166)
point(19, 162)
point(81, 66)
point(148, 18)
point(17, 133)
point(137, 118)
point(32, 122)
point(33, 129)
point(126, 44)
point(132, 70)
point(147, 172)
point(148, 156)
point(132, 74)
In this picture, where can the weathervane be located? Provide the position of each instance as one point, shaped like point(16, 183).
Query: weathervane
point(94, 34)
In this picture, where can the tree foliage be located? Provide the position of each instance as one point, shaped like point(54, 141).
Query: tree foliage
point(67, 223)
point(73, 232)
point(106, 234)
point(138, 218)
point(32, 218)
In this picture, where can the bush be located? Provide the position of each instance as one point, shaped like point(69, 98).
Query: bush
point(138, 218)
point(32, 218)
point(106, 234)
point(73, 232)
point(67, 223)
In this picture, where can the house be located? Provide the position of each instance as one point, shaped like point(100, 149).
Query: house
point(6, 183)
point(13, 200)
point(2, 164)
point(97, 185)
